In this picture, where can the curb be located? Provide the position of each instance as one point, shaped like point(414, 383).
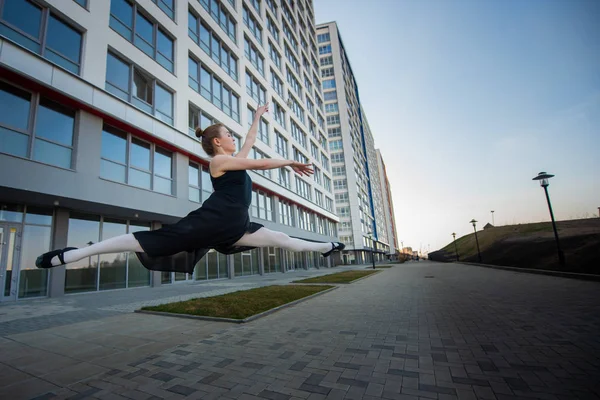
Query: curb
point(336, 283)
point(233, 320)
point(571, 275)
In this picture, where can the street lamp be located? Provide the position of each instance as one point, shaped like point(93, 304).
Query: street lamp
point(543, 178)
point(476, 240)
point(372, 249)
point(493, 223)
point(455, 248)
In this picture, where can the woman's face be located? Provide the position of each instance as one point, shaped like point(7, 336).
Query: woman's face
point(227, 141)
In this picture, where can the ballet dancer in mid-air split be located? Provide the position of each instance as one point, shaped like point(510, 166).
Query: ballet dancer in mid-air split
point(221, 223)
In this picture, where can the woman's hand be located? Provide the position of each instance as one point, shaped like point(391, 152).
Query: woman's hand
point(302, 169)
point(262, 109)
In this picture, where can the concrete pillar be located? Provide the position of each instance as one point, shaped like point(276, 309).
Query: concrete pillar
point(56, 284)
point(230, 266)
point(155, 276)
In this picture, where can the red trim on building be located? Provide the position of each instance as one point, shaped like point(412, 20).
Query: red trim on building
point(17, 79)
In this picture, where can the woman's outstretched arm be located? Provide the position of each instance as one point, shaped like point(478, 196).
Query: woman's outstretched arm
point(222, 163)
point(251, 135)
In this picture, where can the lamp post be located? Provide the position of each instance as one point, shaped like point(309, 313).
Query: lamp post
point(455, 248)
point(372, 249)
point(543, 178)
point(476, 240)
point(493, 223)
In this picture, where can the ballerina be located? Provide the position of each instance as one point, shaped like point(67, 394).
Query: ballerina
point(221, 223)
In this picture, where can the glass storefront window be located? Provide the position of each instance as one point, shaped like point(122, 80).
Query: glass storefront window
point(81, 275)
point(113, 267)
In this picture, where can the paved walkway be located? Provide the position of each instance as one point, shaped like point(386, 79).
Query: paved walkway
point(418, 330)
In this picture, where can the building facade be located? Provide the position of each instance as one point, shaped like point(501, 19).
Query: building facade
point(388, 206)
point(99, 104)
point(356, 183)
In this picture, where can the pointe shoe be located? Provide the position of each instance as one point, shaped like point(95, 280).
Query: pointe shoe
point(45, 260)
point(335, 246)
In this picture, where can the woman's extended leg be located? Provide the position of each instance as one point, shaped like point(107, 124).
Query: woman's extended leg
point(117, 244)
point(265, 238)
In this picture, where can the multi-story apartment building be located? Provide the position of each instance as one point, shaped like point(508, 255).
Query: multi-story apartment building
point(356, 182)
point(388, 205)
point(99, 100)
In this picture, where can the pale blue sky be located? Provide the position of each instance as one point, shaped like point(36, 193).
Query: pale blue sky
point(469, 100)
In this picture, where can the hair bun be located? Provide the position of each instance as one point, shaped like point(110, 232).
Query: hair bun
point(199, 132)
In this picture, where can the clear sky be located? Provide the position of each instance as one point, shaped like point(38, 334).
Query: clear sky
point(469, 100)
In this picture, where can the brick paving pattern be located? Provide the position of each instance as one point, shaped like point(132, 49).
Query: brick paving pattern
point(417, 331)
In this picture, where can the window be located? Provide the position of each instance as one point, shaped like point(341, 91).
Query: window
point(272, 27)
point(199, 183)
point(314, 151)
point(323, 37)
point(328, 84)
point(338, 171)
point(279, 113)
point(272, 6)
point(212, 89)
point(331, 107)
point(340, 184)
point(167, 6)
point(337, 157)
point(298, 134)
point(325, 49)
point(310, 106)
point(290, 36)
point(82, 3)
point(23, 22)
point(212, 45)
point(276, 83)
point(288, 14)
point(333, 119)
point(317, 175)
point(330, 95)
point(343, 211)
point(256, 5)
point(281, 145)
point(299, 156)
point(328, 203)
point(326, 60)
point(275, 56)
point(320, 121)
point(262, 206)
point(286, 216)
point(135, 86)
point(303, 189)
point(290, 57)
point(252, 24)
point(197, 118)
point(293, 82)
point(296, 108)
point(341, 197)
point(254, 56)
point(145, 34)
point(18, 137)
point(326, 72)
point(334, 132)
point(127, 159)
point(325, 161)
point(284, 178)
point(218, 12)
point(255, 89)
point(263, 127)
point(319, 198)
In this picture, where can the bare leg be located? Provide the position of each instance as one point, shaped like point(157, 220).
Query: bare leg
point(265, 238)
point(117, 244)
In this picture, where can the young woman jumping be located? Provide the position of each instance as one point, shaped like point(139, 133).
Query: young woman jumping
point(221, 223)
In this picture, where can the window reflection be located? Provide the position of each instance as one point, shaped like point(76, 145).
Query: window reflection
point(81, 275)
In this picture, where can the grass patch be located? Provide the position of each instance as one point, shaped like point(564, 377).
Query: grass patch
point(340, 277)
point(242, 304)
